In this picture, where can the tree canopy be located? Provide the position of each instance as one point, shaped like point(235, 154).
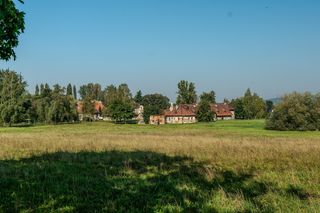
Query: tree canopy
point(250, 106)
point(296, 112)
point(75, 93)
point(11, 26)
point(53, 105)
point(119, 103)
point(186, 93)
point(92, 91)
point(46, 106)
point(120, 112)
point(204, 112)
point(209, 97)
point(69, 89)
point(138, 97)
point(154, 104)
point(269, 106)
point(12, 98)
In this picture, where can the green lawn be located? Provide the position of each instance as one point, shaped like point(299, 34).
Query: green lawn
point(227, 166)
point(232, 127)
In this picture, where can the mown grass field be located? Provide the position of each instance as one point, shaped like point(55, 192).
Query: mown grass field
point(227, 166)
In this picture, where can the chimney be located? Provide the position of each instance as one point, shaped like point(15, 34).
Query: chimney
point(171, 107)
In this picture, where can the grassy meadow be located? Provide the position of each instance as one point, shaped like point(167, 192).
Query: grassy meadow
point(227, 166)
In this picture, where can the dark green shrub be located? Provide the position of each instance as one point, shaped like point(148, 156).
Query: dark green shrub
point(296, 112)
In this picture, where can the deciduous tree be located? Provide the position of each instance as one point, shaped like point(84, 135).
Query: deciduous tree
point(269, 106)
point(110, 94)
point(209, 97)
point(296, 112)
point(186, 93)
point(204, 112)
point(238, 108)
point(120, 111)
point(250, 106)
point(154, 104)
point(91, 90)
point(88, 106)
point(11, 26)
point(12, 96)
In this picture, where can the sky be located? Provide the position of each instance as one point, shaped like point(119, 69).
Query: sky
point(270, 46)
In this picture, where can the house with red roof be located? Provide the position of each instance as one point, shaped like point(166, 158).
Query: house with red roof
point(98, 106)
point(181, 114)
point(186, 114)
point(223, 111)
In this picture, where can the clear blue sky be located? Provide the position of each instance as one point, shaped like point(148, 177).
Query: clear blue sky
point(271, 46)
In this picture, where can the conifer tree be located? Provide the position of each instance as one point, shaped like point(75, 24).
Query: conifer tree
point(69, 90)
point(138, 97)
point(41, 89)
point(75, 92)
point(37, 90)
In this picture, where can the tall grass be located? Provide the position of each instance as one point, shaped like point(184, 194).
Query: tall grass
point(229, 166)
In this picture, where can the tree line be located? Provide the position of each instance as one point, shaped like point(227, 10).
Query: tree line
point(251, 106)
point(58, 104)
point(47, 105)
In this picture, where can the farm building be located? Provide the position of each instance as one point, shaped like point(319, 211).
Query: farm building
point(223, 111)
point(181, 114)
point(157, 119)
point(98, 107)
point(186, 114)
point(138, 111)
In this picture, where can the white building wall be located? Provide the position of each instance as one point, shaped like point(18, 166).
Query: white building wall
point(181, 120)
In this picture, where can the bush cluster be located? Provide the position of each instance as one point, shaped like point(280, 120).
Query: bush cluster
point(296, 112)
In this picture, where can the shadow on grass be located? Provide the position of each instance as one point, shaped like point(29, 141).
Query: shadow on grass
point(117, 182)
point(301, 193)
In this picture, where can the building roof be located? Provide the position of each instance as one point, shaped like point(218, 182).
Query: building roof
point(189, 110)
point(98, 105)
point(184, 110)
point(222, 109)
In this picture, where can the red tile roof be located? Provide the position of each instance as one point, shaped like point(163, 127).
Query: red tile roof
point(184, 110)
point(222, 110)
point(189, 110)
point(98, 105)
